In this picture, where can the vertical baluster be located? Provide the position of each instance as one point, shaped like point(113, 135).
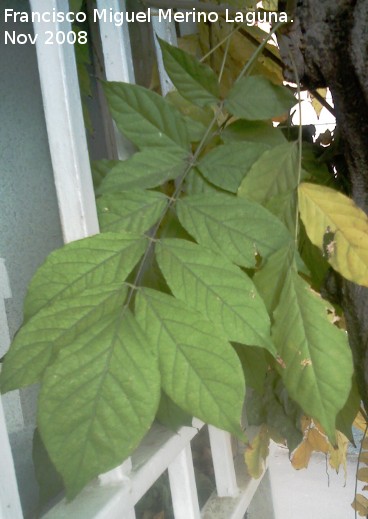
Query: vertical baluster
point(65, 127)
point(223, 462)
point(166, 31)
point(183, 486)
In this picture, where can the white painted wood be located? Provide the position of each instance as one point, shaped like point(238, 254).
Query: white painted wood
point(233, 507)
point(223, 463)
point(183, 486)
point(115, 41)
point(118, 60)
point(166, 31)
point(65, 127)
point(10, 507)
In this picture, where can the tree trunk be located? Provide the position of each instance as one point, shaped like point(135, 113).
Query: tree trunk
point(328, 45)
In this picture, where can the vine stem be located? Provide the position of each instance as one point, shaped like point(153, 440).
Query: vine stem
point(300, 144)
point(170, 203)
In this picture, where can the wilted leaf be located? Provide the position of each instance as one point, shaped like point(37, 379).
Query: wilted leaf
point(257, 452)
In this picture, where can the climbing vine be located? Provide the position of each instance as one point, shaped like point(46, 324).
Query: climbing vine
point(203, 283)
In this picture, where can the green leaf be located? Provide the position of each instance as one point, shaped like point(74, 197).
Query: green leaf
point(273, 174)
point(49, 481)
point(256, 98)
point(107, 385)
point(54, 327)
point(254, 365)
point(134, 211)
point(253, 131)
point(237, 228)
point(225, 166)
point(314, 354)
point(102, 259)
point(146, 119)
point(100, 169)
point(146, 169)
point(194, 80)
point(338, 227)
point(348, 413)
point(270, 279)
point(217, 289)
point(170, 415)
point(200, 371)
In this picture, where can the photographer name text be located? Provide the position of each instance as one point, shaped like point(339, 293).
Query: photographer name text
point(118, 18)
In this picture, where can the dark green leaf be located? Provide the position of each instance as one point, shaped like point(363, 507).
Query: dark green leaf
point(315, 358)
point(146, 169)
point(225, 166)
point(253, 131)
point(133, 211)
point(256, 98)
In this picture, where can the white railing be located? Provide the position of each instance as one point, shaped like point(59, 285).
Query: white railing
point(114, 494)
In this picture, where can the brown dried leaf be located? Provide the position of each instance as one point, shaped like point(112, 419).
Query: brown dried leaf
point(363, 474)
point(301, 456)
point(360, 504)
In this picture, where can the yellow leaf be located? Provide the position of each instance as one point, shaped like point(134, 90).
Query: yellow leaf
point(363, 458)
point(301, 455)
point(338, 453)
point(256, 454)
point(360, 422)
point(316, 104)
point(365, 444)
point(338, 227)
point(360, 504)
point(363, 474)
point(317, 441)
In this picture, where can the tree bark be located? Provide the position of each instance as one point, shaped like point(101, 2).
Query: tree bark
point(328, 45)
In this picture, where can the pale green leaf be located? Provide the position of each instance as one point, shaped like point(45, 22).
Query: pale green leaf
point(217, 289)
point(273, 174)
point(338, 227)
point(200, 371)
point(102, 259)
point(315, 358)
point(194, 80)
point(146, 119)
point(134, 211)
point(98, 400)
point(146, 169)
point(237, 228)
point(225, 166)
point(257, 98)
point(54, 327)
